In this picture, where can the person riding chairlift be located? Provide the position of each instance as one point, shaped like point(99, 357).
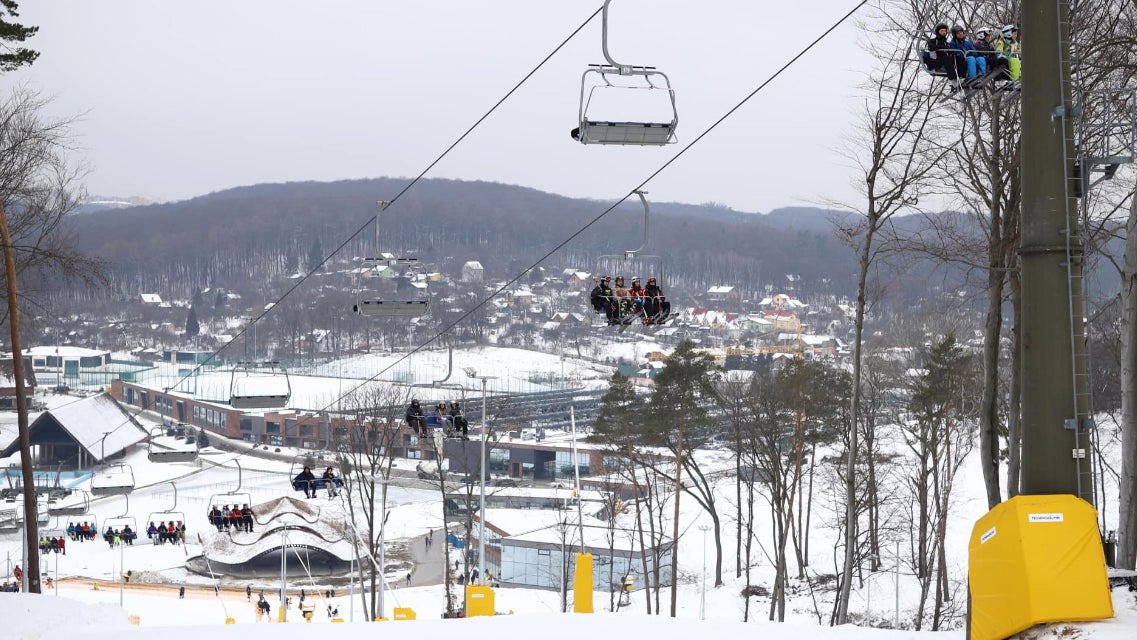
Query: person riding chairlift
point(416, 418)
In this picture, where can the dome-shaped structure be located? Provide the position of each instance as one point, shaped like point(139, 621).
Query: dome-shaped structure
point(318, 540)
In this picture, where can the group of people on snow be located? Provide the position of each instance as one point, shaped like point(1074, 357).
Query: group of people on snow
point(306, 481)
point(622, 304)
point(229, 518)
point(448, 416)
point(81, 532)
point(167, 532)
point(990, 55)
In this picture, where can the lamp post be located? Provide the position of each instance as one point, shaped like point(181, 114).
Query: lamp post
point(121, 569)
point(703, 595)
point(381, 609)
point(282, 616)
point(470, 371)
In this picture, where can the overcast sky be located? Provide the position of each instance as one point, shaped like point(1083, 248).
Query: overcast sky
point(179, 99)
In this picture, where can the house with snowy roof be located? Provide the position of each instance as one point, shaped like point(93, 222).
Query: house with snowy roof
point(78, 434)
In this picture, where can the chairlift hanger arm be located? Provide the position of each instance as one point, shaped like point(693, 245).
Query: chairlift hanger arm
point(628, 255)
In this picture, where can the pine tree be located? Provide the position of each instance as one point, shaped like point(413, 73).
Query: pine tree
point(192, 326)
point(13, 58)
point(617, 412)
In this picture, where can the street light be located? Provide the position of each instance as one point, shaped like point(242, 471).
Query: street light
point(381, 613)
point(473, 373)
point(121, 567)
point(282, 614)
point(703, 596)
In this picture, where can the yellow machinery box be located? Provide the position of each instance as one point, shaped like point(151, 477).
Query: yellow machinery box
point(479, 600)
point(1035, 559)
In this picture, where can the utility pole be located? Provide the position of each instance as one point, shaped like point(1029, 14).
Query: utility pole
point(471, 372)
point(1053, 355)
point(31, 504)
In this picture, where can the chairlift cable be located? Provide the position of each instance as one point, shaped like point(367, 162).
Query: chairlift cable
point(547, 255)
point(394, 199)
point(481, 303)
point(362, 228)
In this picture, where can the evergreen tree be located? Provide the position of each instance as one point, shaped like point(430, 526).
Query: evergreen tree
point(683, 397)
point(198, 299)
point(13, 58)
point(681, 402)
point(315, 254)
point(192, 326)
point(617, 412)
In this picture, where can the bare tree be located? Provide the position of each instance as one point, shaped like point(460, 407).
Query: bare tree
point(365, 451)
point(892, 158)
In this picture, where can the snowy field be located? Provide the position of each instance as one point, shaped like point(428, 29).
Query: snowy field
point(884, 596)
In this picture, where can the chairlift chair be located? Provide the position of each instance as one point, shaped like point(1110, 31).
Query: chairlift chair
point(594, 130)
point(236, 496)
point(389, 307)
point(317, 464)
point(42, 517)
point(10, 521)
point(114, 480)
point(174, 451)
point(259, 386)
point(80, 504)
point(635, 259)
point(53, 529)
point(170, 515)
point(962, 88)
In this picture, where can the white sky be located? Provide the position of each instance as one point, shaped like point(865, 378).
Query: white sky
point(181, 99)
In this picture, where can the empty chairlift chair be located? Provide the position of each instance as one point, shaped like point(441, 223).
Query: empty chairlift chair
point(115, 480)
point(164, 448)
point(264, 386)
point(78, 503)
point(380, 307)
point(612, 78)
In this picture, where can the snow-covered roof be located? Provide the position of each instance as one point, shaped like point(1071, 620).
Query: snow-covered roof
point(89, 419)
point(151, 298)
point(63, 352)
point(720, 289)
point(473, 264)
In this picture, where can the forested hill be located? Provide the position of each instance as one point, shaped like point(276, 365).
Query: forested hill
point(258, 231)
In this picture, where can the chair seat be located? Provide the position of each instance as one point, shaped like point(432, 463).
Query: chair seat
point(632, 133)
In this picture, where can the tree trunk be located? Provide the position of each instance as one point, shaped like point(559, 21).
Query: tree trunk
point(1127, 530)
point(1014, 425)
point(992, 331)
point(863, 264)
point(675, 523)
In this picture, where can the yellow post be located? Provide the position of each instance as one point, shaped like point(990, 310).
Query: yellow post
point(582, 584)
point(280, 614)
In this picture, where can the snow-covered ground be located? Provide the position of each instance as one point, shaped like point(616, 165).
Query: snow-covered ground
point(415, 511)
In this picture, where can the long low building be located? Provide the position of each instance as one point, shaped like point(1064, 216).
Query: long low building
point(537, 548)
